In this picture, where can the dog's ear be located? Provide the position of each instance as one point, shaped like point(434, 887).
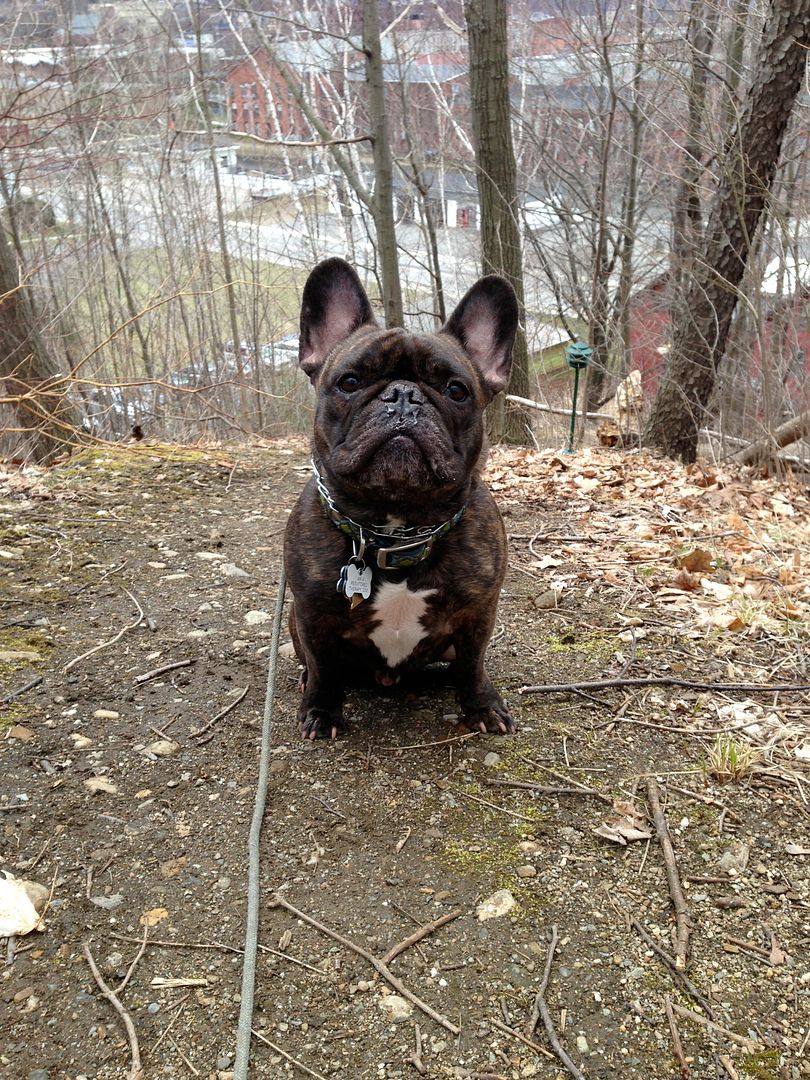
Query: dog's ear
point(334, 305)
point(485, 322)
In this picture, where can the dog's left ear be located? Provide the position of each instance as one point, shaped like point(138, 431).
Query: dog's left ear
point(333, 306)
point(485, 322)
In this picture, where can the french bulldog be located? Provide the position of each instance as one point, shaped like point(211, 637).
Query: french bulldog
point(395, 552)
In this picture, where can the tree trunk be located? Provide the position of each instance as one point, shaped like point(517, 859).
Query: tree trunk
point(37, 391)
point(798, 427)
point(746, 175)
point(383, 196)
point(497, 186)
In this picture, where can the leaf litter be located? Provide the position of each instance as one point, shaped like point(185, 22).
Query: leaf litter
point(620, 565)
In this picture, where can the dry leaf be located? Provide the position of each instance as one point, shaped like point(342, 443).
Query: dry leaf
point(697, 561)
point(153, 916)
point(626, 824)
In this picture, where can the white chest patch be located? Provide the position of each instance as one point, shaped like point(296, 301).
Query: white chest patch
point(400, 612)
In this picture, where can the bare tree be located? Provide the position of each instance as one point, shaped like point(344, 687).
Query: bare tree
point(746, 175)
point(497, 180)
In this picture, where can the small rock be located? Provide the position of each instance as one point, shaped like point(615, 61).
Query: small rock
point(254, 618)
point(198, 635)
point(97, 784)
point(153, 1007)
point(582, 1044)
point(39, 1074)
point(108, 903)
point(230, 569)
point(397, 1010)
point(222, 1062)
point(735, 859)
point(495, 906)
point(11, 656)
point(491, 759)
point(208, 556)
point(80, 742)
point(38, 894)
point(107, 714)
point(527, 871)
point(175, 577)
point(163, 748)
point(529, 846)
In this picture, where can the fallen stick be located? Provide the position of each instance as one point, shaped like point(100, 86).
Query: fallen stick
point(682, 921)
point(293, 1061)
point(112, 641)
point(422, 932)
point(549, 789)
point(538, 1049)
point(748, 1045)
point(23, 689)
point(677, 1045)
point(683, 980)
point(220, 715)
point(136, 1072)
point(667, 680)
point(541, 1011)
point(377, 964)
point(147, 675)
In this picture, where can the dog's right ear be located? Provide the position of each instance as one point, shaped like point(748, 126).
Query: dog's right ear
point(334, 305)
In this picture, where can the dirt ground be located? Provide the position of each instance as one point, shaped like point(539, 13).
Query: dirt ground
point(620, 567)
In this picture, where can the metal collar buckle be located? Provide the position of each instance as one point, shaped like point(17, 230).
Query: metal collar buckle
point(383, 553)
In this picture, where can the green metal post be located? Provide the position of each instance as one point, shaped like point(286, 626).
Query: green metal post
point(570, 448)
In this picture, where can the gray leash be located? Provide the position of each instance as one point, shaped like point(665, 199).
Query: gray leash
point(243, 1031)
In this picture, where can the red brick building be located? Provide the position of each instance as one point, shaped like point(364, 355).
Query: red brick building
point(258, 102)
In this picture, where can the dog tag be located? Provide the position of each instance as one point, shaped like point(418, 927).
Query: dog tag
point(357, 584)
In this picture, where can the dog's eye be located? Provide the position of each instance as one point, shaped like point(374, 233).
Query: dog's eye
point(348, 383)
point(457, 391)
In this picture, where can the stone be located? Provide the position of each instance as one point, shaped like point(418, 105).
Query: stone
point(526, 871)
point(491, 760)
point(582, 1044)
point(495, 906)
point(230, 569)
point(163, 748)
point(107, 714)
point(254, 618)
point(396, 1009)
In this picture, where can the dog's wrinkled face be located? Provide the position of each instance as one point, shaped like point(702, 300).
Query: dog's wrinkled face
point(399, 415)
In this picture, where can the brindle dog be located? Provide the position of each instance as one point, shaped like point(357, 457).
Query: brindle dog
point(395, 551)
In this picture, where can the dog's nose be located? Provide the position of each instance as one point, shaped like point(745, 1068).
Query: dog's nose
point(403, 400)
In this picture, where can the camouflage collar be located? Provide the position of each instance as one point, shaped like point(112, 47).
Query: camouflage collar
point(394, 548)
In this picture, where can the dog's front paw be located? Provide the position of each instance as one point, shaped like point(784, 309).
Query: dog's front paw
point(494, 718)
point(322, 723)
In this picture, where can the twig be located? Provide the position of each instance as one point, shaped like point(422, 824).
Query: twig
point(23, 689)
point(683, 980)
point(27, 867)
point(426, 745)
point(220, 715)
point(416, 1057)
point(741, 1040)
point(377, 964)
point(147, 675)
point(728, 1065)
point(549, 789)
point(667, 680)
point(170, 1025)
point(219, 945)
point(422, 932)
point(293, 1061)
point(677, 1045)
point(493, 806)
point(538, 1049)
point(709, 799)
point(112, 641)
point(183, 1058)
point(136, 1072)
point(122, 986)
point(541, 1011)
point(682, 921)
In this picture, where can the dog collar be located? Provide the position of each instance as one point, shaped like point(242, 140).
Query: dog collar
point(395, 548)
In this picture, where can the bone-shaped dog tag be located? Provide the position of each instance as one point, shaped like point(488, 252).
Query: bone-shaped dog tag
point(357, 585)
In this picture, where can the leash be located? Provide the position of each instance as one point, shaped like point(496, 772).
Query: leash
point(245, 1023)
